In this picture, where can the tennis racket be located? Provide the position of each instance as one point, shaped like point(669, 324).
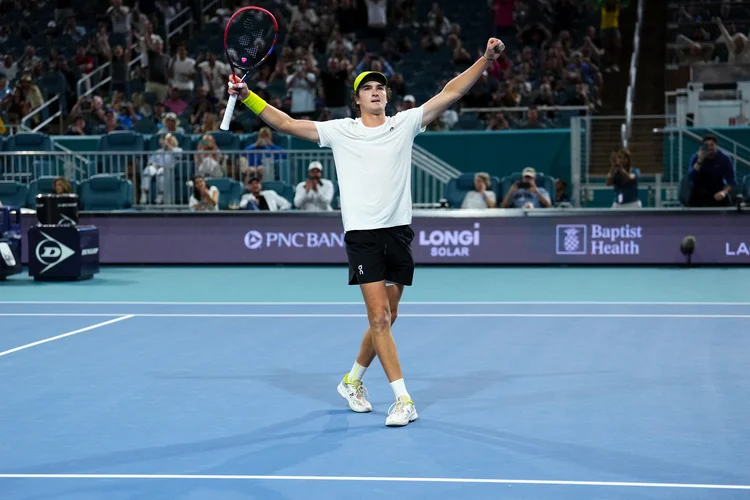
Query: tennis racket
point(249, 39)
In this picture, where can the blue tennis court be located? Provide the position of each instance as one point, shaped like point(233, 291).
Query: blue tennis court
point(221, 383)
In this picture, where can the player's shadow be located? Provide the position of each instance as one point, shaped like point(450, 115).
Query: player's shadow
point(319, 387)
point(620, 463)
point(280, 450)
point(467, 385)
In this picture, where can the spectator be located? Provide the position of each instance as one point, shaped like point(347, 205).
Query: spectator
point(78, 127)
point(73, 30)
point(737, 45)
point(162, 166)
point(301, 84)
point(482, 196)
point(625, 179)
point(257, 199)
point(711, 175)
point(182, 71)
point(9, 68)
point(526, 194)
point(215, 74)
point(532, 121)
point(176, 104)
point(204, 198)
point(62, 186)
point(610, 32)
point(120, 17)
point(334, 80)
point(208, 159)
point(258, 165)
point(111, 123)
point(157, 67)
point(377, 18)
point(208, 124)
point(315, 193)
point(171, 125)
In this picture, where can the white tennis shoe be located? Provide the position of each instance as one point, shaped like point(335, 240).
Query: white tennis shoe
point(401, 413)
point(356, 394)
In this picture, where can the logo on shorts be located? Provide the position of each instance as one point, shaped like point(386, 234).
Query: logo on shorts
point(571, 239)
point(360, 270)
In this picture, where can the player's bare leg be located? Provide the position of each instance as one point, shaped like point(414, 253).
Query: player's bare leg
point(380, 317)
point(352, 388)
point(367, 350)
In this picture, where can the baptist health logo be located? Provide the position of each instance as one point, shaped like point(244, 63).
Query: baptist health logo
point(582, 239)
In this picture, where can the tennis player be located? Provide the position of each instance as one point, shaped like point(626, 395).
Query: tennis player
point(373, 161)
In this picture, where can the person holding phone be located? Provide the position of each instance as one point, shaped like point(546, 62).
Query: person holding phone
point(711, 175)
point(526, 194)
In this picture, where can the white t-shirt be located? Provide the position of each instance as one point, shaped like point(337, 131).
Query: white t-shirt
point(181, 71)
point(374, 168)
point(195, 204)
point(475, 199)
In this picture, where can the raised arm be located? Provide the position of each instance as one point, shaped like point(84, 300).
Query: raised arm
point(460, 85)
point(275, 118)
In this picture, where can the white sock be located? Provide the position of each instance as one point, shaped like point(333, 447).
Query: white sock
point(357, 373)
point(399, 388)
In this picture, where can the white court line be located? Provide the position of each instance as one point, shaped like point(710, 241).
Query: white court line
point(437, 303)
point(62, 336)
point(401, 315)
point(379, 479)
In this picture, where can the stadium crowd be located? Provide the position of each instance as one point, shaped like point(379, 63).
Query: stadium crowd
point(552, 59)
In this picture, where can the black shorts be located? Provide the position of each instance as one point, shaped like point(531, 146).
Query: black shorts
point(380, 254)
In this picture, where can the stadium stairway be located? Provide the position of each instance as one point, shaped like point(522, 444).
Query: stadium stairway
point(605, 132)
point(647, 148)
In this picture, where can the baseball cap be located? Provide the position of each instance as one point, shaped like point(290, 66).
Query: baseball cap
point(370, 76)
point(529, 171)
point(314, 165)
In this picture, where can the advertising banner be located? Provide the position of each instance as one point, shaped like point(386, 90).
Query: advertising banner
point(601, 237)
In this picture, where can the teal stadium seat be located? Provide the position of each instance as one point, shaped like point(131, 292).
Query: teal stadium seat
point(13, 193)
point(121, 141)
point(230, 191)
point(46, 185)
point(542, 181)
point(106, 192)
point(226, 141)
point(456, 190)
point(30, 142)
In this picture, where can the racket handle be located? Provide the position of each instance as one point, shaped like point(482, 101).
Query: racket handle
point(228, 112)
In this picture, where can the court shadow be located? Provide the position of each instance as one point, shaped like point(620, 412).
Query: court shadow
point(97, 281)
point(628, 466)
point(467, 385)
point(281, 451)
point(274, 433)
point(319, 386)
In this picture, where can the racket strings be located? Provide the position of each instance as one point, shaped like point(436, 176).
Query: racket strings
point(249, 38)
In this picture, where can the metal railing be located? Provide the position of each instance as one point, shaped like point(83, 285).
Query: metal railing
point(104, 80)
point(630, 96)
point(48, 120)
point(678, 165)
point(163, 179)
point(95, 74)
point(176, 24)
point(205, 6)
